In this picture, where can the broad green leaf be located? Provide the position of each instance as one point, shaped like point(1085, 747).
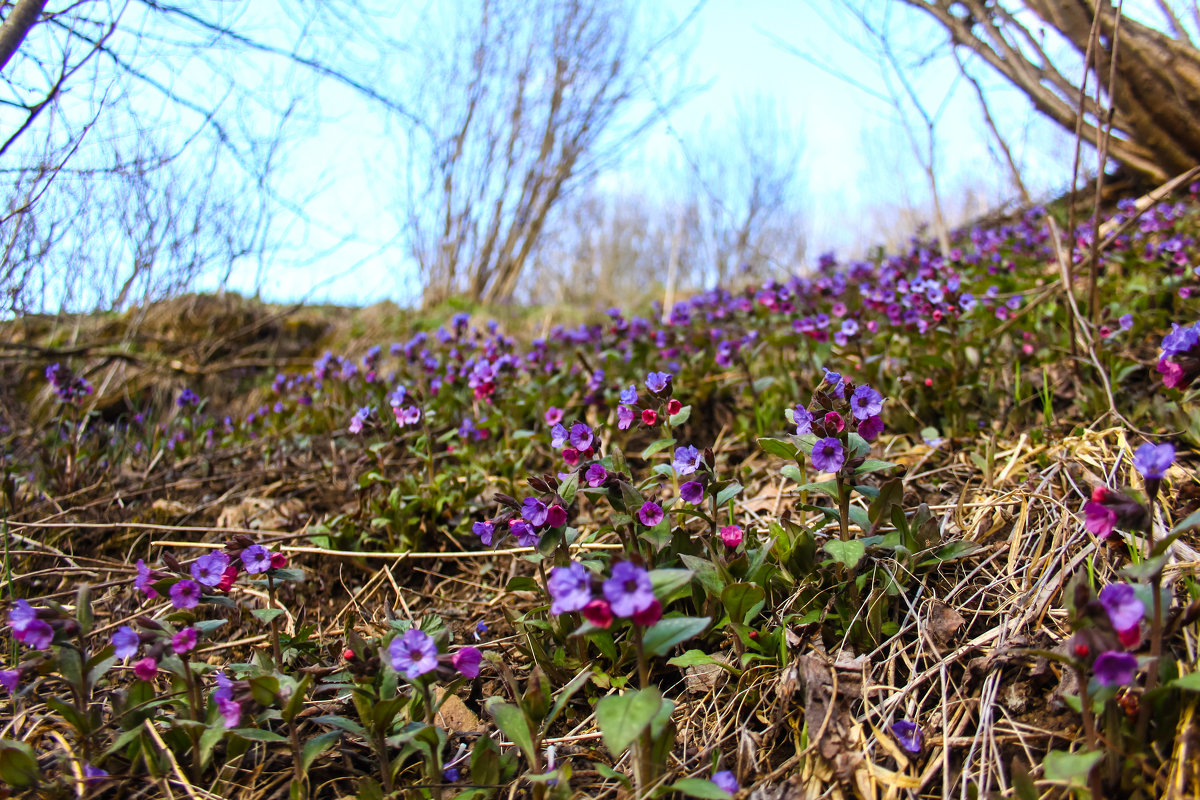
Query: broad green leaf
point(699, 658)
point(315, 746)
point(743, 600)
point(655, 447)
point(699, 787)
point(1189, 522)
point(265, 615)
point(565, 694)
point(511, 722)
point(728, 493)
point(259, 735)
point(622, 718)
point(18, 766)
point(667, 581)
point(670, 631)
point(793, 473)
point(873, 465)
point(1190, 682)
point(1073, 768)
point(848, 553)
point(779, 447)
point(824, 487)
point(345, 723)
point(680, 417)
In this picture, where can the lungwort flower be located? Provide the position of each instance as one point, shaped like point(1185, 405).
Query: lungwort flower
point(413, 654)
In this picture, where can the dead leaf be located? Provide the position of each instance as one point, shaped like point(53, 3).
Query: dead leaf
point(944, 624)
point(454, 714)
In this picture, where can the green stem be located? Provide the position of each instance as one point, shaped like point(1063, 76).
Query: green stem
point(275, 650)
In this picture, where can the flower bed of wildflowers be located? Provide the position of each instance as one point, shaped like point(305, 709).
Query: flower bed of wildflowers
point(887, 530)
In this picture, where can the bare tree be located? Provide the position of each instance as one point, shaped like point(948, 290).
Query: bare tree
point(1152, 84)
point(520, 103)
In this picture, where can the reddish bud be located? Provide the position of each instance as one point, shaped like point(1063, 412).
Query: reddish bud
point(348, 654)
point(227, 578)
point(649, 416)
point(1081, 650)
point(599, 613)
point(674, 406)
point(649, 615)
point(278, 560)
point(929, 381)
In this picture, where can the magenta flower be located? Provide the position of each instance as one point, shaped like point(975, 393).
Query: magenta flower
point(599, 613)
point(185, 594)
point(10, 679)
point(595, 475)
point(125, 642)
point(209, 569)
point(553, 415)
point(256, 559)
point(649, 615)
point(1099, 519)
point(1123, 606)
point(1114, 668)
point(827, 455)
point(184, 641)
point(37, 635)
point(692, 492)
point(650, 513)
point(146, 669)
point(570, 588)
point(1153, 460)
point(467, 661)
point(629, 590)
point(231, 712)
point(556, 516)
point(413, 654)
point(731, 535)
point(865, 402)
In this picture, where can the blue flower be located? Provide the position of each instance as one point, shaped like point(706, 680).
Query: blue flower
point(413, 654)
point(687, 460)
point(865, 402)
point(657, 381)
point(629, 590)
point(570, 588)
point(1153, 460)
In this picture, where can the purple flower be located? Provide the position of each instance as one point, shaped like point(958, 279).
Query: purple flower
point(224, 690)
point(558, 435)
point(10, 679)
point(484, 531)
point(726, 781)
point(629, 395)
point(1152, 460)
point(1114, 668)
point(208, 570)
point(187, 398)
point(256, 559)
point(21, 616)
point(553, 415)
point(413, 654)
point(803, 420)
point(827, 455)
point(657, 381)
point(146, 669)
point(185, 594)
point(526, 536)
point(687, 460)
point(870, 428)
point(94, 776)
point(1099, 519)
point(908, 735)
point(570, 588)
point(1123, 606)
point(865, 402)
point(581, 436)
point(837, 387)
point(1180, 340)
point(359, 419)
point(595, 475)
point(1126, 321)
point(629, 590)
point(625, 417)
point(37, 635)
point(692, 492)
point(125, 642)
point(231, 712)
point(534, 510)
point(184, 641)
point(467, 660)
point(650, 513)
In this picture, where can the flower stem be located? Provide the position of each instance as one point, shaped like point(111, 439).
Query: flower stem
point(275, 649)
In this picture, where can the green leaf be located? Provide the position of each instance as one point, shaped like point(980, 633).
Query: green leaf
point(622, 718)
point(668, 581)
point(792, 473)
point(315, 746)
point(654, 447)
point(345, 723)
point(728, 493)
point(265, 615)
point(779, 447)
point(848, 553)
point(522, 583)
point(296, 701)
point(568, 488)
point(699, 787)
point(512, 723)
point(1189, 522)
point(18, 767)
point(565, 694)
point(670, 631)
point(699, 658)
point(824, 487)
point(1073, 768)
point(1190, 682)
point(873, 465)
point(259, 735)
point(680, 417)
point(743, 601)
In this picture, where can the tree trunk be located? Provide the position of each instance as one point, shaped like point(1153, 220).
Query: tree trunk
point(18, 23)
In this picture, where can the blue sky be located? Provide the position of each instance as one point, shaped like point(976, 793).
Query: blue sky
point(858, 168)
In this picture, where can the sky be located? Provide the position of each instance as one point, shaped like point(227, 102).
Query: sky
point(857, 167)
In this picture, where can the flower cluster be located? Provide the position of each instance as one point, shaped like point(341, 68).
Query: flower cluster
point(415, 653)
point(824, 420)
point(659, 402)
point(1179, 363)
point(1109, 509)
point(1110, 627)
point(627, 593)
point(69, 387)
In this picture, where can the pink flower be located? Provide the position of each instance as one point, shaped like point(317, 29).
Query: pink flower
point(467, 661)
point(1099, 519)
point(184, 641)
point(599, 613)
point(649, 416)
point(146, 669)
point(731, 535)
point(648, 615)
